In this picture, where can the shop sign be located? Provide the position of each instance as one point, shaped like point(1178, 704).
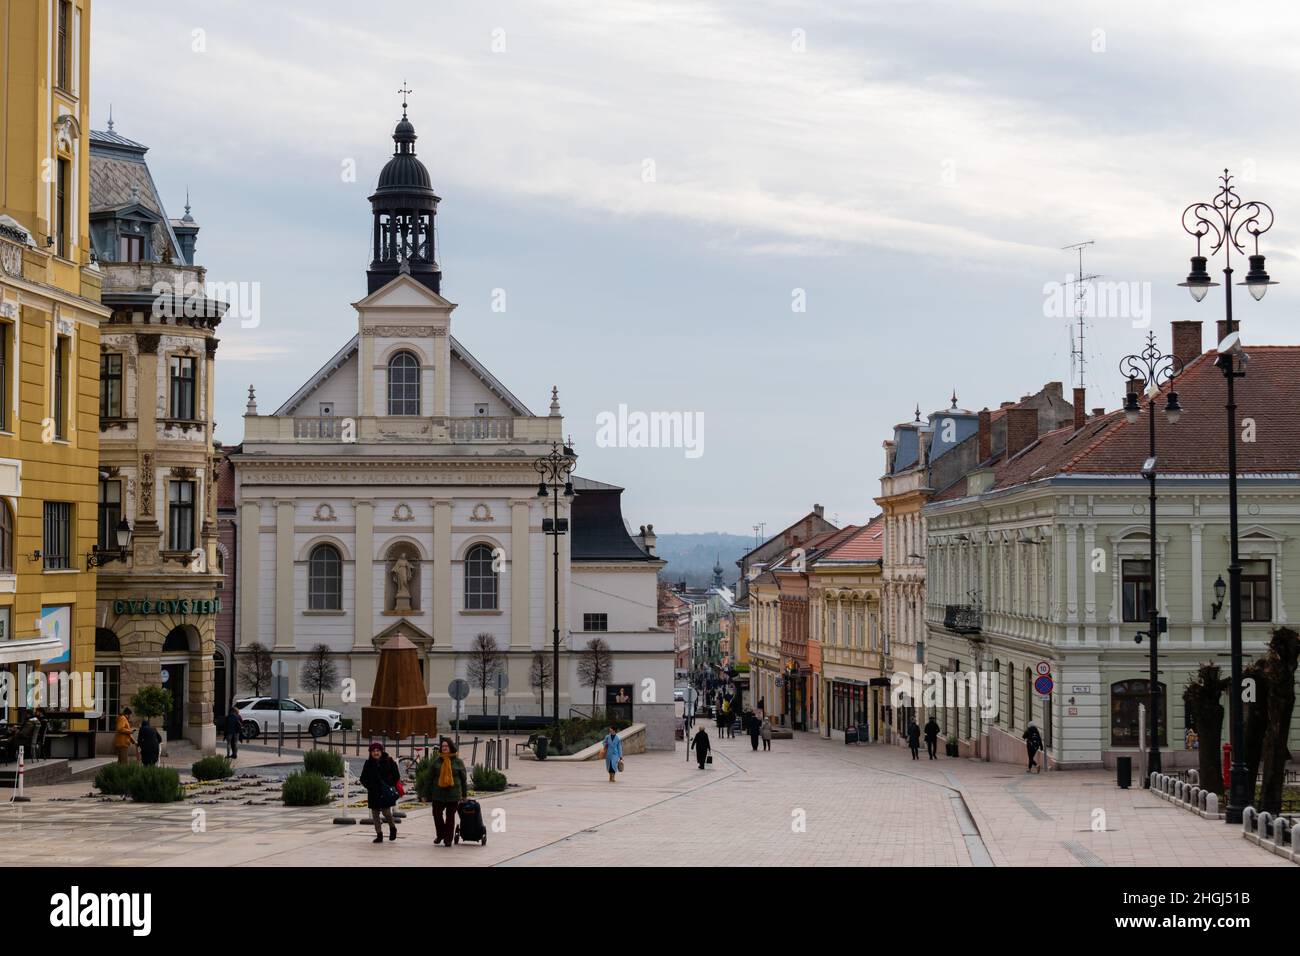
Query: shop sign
point(168, 606)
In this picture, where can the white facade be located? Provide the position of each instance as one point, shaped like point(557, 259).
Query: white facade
point(405, 449)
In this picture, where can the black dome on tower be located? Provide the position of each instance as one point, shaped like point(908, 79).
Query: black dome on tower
point(404, 206)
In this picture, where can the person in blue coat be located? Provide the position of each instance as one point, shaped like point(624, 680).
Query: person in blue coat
point(613, 752)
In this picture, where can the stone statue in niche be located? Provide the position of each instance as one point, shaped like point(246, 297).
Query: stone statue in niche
point(402, 572)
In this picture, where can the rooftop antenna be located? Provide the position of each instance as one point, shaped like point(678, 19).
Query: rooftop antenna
point(758, 530)
point(1077, 359)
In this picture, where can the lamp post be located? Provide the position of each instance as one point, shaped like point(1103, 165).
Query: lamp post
point(1227, 223)
point(1155, 369)
point(554, 471)
point(99, 557)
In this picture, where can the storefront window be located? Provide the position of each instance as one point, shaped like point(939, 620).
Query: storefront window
point(1125, 698)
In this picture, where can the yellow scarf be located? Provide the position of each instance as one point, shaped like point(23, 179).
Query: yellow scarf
point(444, 772)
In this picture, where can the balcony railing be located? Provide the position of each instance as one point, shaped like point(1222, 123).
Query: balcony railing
point(336, 428)
point(963, 618)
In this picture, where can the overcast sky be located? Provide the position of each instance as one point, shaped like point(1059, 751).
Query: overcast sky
point(658, 186)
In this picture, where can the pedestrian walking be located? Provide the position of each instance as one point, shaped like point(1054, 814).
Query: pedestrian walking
point(380, 777)
point(754, 727)
point(761, 711)
point(450, 787)
point(234, 730)
point(914, 739)
point(702, 747)
point(150, 743)
point(932, 737)
point(612, 751)
point(765, 731)
point(122, 739)
point(722, 719)
point(1033, 743)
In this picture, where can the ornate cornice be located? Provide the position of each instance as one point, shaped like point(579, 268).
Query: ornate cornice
point(403, 331)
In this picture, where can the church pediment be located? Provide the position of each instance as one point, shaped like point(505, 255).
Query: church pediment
point(403, 292)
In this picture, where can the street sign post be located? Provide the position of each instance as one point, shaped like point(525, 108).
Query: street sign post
point(458, 690)
point(500, 683)
point(279, 690)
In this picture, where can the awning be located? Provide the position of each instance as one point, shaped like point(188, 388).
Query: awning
point(30, 650)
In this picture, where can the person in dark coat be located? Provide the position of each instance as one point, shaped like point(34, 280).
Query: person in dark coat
point(1033, 743)
point(150, 743)
point(914, 739)
point(702, 746)
point(448, 787)
point(234, 729)
point(753, 726)
point(932, 737)
point(380, 777)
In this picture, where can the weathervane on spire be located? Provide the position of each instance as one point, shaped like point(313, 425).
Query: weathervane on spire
point(404, 91)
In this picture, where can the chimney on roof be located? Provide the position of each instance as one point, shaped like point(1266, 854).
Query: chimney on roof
point(1098, 412)
point(1135, 385)
point(819, 511)
point(1022, 429)
point(986, 435)
point(1055, 389)
point(1080, 409)
point(1187, 341)
point(1222, 326)
point(1006, 404)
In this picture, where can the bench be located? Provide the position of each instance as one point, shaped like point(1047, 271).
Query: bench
point(527, 745)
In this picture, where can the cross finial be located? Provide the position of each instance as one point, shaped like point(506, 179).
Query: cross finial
point(404, 91)
point(918, 411)
point(954, 398)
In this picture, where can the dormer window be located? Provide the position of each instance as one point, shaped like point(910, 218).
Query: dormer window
point(403, 384)
point(130, 248)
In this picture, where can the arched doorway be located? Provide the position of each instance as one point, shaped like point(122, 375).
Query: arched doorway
point(181, 642)
point(220, 685)
point(108, 678)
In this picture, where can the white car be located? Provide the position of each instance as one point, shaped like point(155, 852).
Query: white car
point(263, 715)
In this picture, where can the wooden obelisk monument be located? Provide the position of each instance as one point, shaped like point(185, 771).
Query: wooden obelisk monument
point(399, 707)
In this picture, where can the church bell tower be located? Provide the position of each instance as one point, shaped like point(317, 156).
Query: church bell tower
point(404, 206)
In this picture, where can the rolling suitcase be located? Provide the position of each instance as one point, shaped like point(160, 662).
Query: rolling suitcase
point(470, 826)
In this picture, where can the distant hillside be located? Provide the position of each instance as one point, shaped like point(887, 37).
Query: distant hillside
point(690, 557)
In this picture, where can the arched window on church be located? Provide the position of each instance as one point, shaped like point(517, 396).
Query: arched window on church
point(325, 579)
point(403, 384)
point(480, 580)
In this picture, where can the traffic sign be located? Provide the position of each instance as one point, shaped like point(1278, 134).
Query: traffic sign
point(458, 689)
point(1044, 668)
point(1043, 685)
point(500, 683)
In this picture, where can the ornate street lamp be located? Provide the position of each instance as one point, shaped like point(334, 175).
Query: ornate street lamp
point(99, 557)
point(1227, 223)
point(1154, 368)
point(554, 471)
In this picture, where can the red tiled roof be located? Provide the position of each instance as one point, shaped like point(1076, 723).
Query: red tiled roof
point(867, 543)
point(1197, 445)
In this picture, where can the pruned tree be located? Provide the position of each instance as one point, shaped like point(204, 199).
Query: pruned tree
point(1254, 693)
point(539, 677)
point(485, 660)
point(319, 673)
point(1203, 703)
point(595, 667)
point(255, 669)
point(1279, 666)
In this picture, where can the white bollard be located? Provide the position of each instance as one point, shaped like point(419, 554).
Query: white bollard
point(1212, 803)
point(1280, 827)
point(1248, 816)
point(19, 795)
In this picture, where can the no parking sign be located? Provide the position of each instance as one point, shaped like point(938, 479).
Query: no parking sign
point(1043, 683)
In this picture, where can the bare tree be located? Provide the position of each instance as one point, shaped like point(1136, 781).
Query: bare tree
point(255, 669)
point(1203, 703)
point(319, 673)
point(485, 660)
point(539, 676)
point(595, 667)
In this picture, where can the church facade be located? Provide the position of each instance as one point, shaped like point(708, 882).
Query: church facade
point(396, 493)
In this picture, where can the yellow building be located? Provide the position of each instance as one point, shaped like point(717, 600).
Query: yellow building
point(49, 349)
